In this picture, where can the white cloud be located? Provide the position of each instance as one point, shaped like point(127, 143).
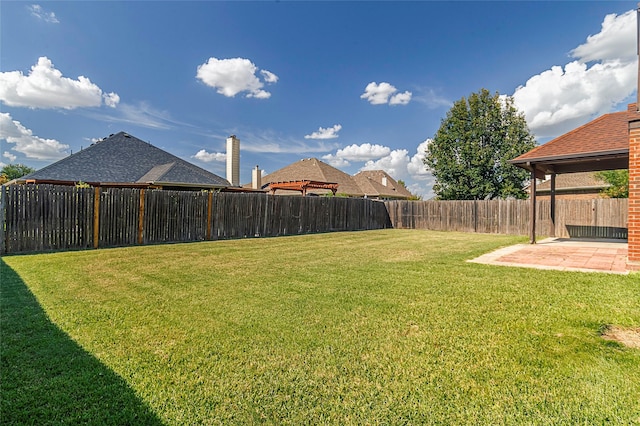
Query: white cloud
point(37, 11)
point(269, 77)
point(383, 93)
point(233, 76)
point(26, 143)
point(45, 87)
point(209, 157)
point(10, 156)
point(400, 98)
point(409, 169)
point(616, 40)
point(111, 99)
point(562, 98)
point(328, 133)
point(395, 163)
point(416, 166)
point(363, 152)
point(336, 162)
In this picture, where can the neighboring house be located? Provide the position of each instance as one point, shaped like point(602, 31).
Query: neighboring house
point(125, 161)
point(572, 186)
point(311, 176)
point(312, 172)
point(380, 185)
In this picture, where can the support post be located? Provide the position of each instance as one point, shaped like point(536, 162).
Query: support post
point(532, 197)
point(552, 230)
point(96, 216)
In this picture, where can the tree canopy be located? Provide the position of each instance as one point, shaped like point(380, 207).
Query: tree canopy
point(618, 181)
point(14, 171)
point(470, 152)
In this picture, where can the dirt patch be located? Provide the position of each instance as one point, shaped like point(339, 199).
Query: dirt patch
point(627, 336)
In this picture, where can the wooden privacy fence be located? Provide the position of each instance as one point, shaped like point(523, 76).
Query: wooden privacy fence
point(600, 218)
point(45, 217)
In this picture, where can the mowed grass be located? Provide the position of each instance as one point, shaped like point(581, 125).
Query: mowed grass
point(376, 327)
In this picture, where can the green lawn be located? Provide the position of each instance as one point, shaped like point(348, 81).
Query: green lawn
point(376, 327)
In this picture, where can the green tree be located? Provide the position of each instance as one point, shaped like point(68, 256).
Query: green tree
point(14, 171)
point(470, 152)
point(618, 181)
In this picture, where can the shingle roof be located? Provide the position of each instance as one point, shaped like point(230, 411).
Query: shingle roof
point(122, 158)
point(315, 170)
point(370, 181)
point(607, 133)
point(573, 181)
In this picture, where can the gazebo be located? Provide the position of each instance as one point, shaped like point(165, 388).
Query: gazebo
point(609, 142)
point(302, 186)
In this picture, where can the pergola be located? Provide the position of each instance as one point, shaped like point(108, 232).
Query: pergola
point(602, 144)
point(302, 186)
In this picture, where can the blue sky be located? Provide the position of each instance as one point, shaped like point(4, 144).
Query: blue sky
point(360, 85)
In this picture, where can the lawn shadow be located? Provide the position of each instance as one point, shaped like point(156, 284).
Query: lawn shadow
point(47, 378)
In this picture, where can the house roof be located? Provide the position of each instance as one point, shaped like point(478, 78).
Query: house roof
point(573, 182)
point(601, 144)
point(125, 159)
point(371, 183)
point(313, 169)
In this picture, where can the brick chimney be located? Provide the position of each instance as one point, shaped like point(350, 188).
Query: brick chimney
point(233, 160)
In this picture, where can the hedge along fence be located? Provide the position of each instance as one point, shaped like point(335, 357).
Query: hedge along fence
point(46, 217)
point(599, 218)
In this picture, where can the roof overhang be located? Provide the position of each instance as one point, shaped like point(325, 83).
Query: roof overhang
point(573, 163)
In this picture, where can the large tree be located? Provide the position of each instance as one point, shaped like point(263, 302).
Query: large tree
point(14, 171)
point(618, 181)
point(469, 154)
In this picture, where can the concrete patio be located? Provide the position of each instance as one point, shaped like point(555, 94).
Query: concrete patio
point(585, 255)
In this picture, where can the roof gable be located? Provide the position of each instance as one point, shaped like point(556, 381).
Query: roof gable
point(123, 158)
point(371, 182)
point(315, 170)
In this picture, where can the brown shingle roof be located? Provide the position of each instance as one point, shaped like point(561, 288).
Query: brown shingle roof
point(607, 133)
point(370, 181)
point(315, 170)
point(573, 181)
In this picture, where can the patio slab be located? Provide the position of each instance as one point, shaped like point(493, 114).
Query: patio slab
point(584, 255)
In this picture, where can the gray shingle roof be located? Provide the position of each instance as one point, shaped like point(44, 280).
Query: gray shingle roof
point(123, 158)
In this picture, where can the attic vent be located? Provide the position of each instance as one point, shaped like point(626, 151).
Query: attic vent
point(126, 135)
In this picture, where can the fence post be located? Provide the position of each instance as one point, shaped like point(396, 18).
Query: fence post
point(209, 213)
point(141, 218)
point(96, 216)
